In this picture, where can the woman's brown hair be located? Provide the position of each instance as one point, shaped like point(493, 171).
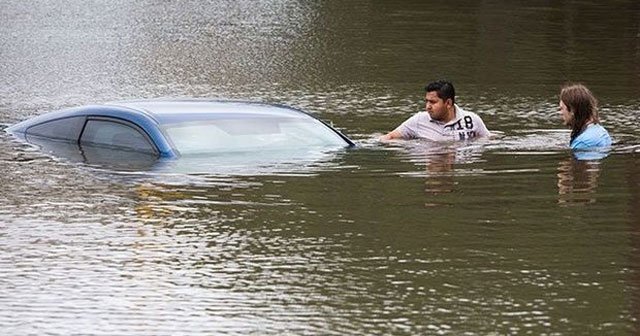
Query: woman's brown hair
point(582, 104)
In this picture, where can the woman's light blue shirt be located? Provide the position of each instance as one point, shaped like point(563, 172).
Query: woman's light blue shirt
point(593, 136)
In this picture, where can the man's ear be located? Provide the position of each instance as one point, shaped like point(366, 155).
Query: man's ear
point(449, 102)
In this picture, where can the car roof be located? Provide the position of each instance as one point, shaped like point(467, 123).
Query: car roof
point(189, 110)
point(156, 116)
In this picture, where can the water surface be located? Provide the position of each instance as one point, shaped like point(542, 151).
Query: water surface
point(512, 235)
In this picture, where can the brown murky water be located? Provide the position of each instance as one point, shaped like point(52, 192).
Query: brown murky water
point(508, 236)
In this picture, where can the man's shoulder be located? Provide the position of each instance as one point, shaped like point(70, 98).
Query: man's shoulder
point(464, 112)
point(420, 116)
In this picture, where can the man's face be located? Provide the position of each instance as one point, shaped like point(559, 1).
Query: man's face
point(567, 116)
point(437, 108)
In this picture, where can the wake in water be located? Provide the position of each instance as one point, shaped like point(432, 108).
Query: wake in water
point(526, 142)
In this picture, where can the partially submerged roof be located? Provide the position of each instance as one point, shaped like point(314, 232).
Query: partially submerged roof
point(171, 111)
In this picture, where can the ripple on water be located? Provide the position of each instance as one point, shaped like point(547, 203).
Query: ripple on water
point(505, 236)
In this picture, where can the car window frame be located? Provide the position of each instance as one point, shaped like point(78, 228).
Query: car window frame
point(123, 122)
point(28, 132)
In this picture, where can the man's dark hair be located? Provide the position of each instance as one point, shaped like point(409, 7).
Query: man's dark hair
point(443, 88)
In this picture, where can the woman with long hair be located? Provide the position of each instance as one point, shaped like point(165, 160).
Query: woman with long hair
point(579, 110)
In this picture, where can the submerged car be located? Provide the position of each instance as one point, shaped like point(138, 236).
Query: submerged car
point(170, 129)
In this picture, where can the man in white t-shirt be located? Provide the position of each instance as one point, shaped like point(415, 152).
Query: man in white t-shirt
point(443, 119)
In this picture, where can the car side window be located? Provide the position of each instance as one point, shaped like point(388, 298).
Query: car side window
point(59, 129)
point(116, 134)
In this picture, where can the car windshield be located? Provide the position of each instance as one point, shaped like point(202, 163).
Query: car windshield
point(244, 134)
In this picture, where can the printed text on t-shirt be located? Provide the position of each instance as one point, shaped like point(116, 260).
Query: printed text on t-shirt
point(467, 121)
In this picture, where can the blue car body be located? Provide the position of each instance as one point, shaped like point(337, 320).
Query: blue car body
point(166, 124)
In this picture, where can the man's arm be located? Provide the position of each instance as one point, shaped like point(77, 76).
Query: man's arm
point(395, 134)
point(482, 131)
point(406, 130)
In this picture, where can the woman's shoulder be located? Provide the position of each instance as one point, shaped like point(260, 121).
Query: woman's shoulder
point(595, 135)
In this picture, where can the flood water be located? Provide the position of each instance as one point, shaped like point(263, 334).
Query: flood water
point(512, 235)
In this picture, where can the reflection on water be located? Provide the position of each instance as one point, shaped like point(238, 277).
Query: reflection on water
point(268, 162)
point(577, 181)
point(439, 173)
point(285, 161)
point(442, 163)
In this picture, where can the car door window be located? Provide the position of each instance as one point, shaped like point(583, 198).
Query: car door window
point(115, 134)
point(59, 129)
